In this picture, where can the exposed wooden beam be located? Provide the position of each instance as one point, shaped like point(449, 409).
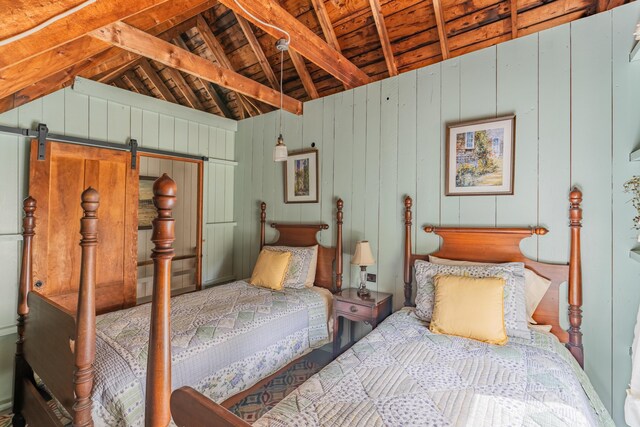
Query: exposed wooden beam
point(258, 51)
point(303, 72)
point(303, 40)
point(514, 18)
point(121, 84)
point(442, 32)
point(216, 98)
point(85, 49)
point(136, 41)
point(183, 87)
point(117, 71)
point(156, 81)
point(384, 37)
point(70, 28)
point(219, 54)
point(138, 85)
point(325, 24)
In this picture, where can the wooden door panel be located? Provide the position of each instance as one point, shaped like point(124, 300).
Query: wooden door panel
point(57, 183)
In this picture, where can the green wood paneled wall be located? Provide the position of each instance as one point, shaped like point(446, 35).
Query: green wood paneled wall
point(101, 112)
point(573, 91)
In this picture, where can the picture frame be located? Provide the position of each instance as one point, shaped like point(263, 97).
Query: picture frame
point(301, 183)
point(146, 210)
point(480, 157)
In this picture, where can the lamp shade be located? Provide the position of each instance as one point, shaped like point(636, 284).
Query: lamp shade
point(363, 255)
point(280, 152)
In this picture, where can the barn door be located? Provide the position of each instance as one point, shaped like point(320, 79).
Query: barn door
point(57, 183)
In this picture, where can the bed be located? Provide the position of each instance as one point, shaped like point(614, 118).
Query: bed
point(403, 374)
point(222, 339)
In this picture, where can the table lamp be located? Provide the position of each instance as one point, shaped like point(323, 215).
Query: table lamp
point(363, 257)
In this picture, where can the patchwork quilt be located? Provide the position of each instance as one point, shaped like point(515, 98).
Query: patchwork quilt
point(224, 340)
point(401, 374)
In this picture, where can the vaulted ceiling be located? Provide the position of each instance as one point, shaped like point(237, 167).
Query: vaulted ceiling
point(213, 56)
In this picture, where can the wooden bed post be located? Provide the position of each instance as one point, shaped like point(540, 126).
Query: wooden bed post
point(575, 278)
point(158, 391)
point(263, 220)
point(339, 216)
point(84, 347)
point(408, 280)
point(21, 367)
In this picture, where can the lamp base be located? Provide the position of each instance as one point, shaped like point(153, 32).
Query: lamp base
point(362, 290)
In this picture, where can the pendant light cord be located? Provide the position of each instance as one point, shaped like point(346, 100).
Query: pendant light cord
point(281, 88)
point(46, 23)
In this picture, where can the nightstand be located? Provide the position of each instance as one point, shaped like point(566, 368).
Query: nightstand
point(372, 309)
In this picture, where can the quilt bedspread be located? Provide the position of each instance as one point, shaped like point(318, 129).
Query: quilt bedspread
point(224, 340)
point(403, 375)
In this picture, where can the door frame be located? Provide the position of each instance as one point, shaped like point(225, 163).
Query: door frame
point(200, 203)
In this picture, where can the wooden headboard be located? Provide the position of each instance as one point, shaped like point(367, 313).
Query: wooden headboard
point(500, 245)
point(306, 235)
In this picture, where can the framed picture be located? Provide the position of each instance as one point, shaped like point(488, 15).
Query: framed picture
point(480, 157)
point(301, 177)
point(146, 211)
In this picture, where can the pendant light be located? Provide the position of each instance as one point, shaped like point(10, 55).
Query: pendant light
point(280, 152)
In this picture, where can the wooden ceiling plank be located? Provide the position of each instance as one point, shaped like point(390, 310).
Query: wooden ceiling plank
point(114, 73)
point(136, 41)
point(157, 81)
point(303, 72)
point(325, 24)
point(303, 40)
point(442, 32)
point(258, 51)
point(71, 28)
point(219, 54)
point(514, 18)
point(68, 56)
point(378, 18)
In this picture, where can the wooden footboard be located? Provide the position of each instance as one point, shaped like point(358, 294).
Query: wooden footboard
point(190, 409)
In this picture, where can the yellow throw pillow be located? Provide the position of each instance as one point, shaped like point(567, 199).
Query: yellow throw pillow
point(470, 307)
point(271, 269)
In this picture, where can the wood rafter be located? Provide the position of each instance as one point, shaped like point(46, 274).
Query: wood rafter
point(325, 24)
point(219, 54)
point(215, 97)
point(156, 81)
point(384, 37)
point(136, 41)
point(258, 51)
point(303, 72)
point(138, 85)
point(80, 54)
point(514, 18)
point(442, 32)
point(183, 87)
point(303, 40)
point(71, 28)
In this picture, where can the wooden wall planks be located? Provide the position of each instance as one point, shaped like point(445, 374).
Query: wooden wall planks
point(572, 89)
point(106, 113)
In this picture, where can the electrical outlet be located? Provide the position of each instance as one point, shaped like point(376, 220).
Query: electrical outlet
point(371, 277)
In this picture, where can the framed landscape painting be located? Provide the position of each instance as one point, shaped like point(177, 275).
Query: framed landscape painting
point(301, 177)
point(480, 157)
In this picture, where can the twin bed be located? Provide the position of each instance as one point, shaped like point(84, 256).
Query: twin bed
point(212, 344)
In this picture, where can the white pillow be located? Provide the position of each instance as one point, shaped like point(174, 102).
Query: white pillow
point(535, 287)
point(302, 267)
point(515, 313)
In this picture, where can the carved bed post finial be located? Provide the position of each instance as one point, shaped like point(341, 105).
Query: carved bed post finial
point(158, 390)
point(263, 220)
point(408, 203)
point(339, 217)
point(575, 277)
point(84, 347)
point(28, 231)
